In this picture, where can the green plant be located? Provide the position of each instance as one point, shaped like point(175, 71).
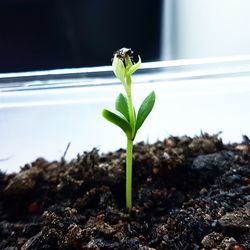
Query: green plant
point(126, 118)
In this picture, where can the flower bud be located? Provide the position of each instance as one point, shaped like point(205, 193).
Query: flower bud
point(124, 66)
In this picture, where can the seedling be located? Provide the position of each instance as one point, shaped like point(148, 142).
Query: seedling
point(126, 118)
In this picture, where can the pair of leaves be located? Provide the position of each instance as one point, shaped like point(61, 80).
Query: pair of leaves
point(123, 121)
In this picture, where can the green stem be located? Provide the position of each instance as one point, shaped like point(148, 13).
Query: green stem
point(129, 154)
point(129, 157)
point(130, 105)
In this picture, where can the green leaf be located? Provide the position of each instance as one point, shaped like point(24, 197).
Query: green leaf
point(128, 62)
point(134, 67)
point(118, 120)
point(119, 69)
point(121, 105)
point(145, 109)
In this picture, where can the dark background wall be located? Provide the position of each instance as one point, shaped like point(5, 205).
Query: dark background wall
point(49, 34)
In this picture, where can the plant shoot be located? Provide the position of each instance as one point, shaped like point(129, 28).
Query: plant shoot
point(127, 118)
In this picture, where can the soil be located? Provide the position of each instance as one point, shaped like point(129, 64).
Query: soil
point(188, 193)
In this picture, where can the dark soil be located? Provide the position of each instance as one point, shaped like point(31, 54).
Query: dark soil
point(188, 193)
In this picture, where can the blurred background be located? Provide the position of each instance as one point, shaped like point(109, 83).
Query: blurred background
point(53, 34)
